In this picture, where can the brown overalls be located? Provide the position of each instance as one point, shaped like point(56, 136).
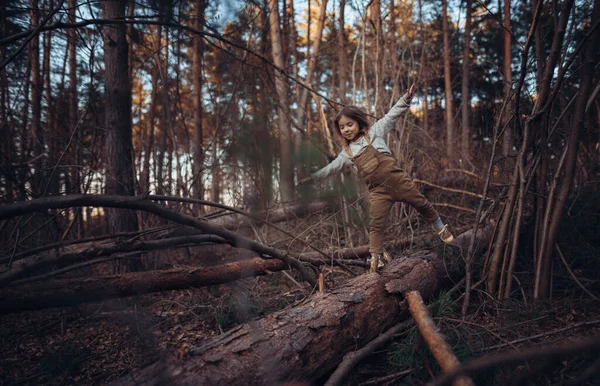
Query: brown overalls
point(387, 184)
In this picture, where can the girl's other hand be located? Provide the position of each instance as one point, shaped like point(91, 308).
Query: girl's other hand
point(411, 91)
point(305, 180)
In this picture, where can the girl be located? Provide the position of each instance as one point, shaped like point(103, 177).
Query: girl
point(367, 150)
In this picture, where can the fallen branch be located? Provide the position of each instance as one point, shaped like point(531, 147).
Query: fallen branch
point(140, 203)
point(452, 190)
point(553, 332)
point(353, 358)
point(515, 357)
point(564, 261)
point(441, 351)
point(75, 291)
point(44, 261)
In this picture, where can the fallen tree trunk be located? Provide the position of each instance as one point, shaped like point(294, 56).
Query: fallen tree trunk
point(305, 342)
point(89, 251)
point(59, 293)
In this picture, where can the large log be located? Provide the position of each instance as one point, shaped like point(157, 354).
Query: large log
point(305, 342)
point(59, 293)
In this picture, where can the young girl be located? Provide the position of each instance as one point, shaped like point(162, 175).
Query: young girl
point(367, 150)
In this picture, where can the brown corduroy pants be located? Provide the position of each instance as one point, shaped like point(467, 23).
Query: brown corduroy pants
point(388, 184)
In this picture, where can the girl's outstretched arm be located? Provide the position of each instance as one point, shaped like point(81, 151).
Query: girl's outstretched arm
point(388, 122)
point(335, 167)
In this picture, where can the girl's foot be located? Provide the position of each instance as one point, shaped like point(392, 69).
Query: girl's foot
point(445, 234)
point(371, 261)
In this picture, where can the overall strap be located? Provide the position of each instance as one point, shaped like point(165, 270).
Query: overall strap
point(347, 147)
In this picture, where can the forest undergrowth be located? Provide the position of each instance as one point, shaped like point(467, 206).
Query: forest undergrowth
point(100, 342)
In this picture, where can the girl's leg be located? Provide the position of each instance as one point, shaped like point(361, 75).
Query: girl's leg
point(406, 191)
point(381, 203)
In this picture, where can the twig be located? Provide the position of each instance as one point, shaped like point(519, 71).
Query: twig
point(32, 34)
point(244, 213)
point(511, 357)
point(553, 332)
point(387, 378)
point(460, 191)
point(443, 204)
point(132, 202)
point(351, 359)
point(562, 258)
point(591, 370)
point(133, 255)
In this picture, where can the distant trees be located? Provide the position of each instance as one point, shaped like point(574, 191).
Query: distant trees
point(218, 109)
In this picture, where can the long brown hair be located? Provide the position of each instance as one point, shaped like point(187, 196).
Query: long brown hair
point(354, 113)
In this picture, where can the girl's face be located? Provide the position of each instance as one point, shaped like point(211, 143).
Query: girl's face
point(348, 128)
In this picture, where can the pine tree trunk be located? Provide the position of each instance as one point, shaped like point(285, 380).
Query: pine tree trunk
point(342, 57)
point(286, 168)
point(36, 102)
point(118, 141)
point(198, 144)
point(312, 63)
point(448, 87)
point(465, 138)
point(507, 72)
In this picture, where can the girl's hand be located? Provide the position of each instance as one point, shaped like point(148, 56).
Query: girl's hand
point(305, 180)
point(411, 91)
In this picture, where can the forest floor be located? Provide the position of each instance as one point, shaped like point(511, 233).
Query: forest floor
point(100, 342)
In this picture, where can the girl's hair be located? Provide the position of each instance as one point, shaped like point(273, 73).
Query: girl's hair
point(353, 113)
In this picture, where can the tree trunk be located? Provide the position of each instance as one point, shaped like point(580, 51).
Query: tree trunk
point(342, 68)
point(286, 168)
point(74, 111)
point(118, 145)
point(198, 187)
point(589, 61)
point(36, 101)
point(305, 342)
point(465, 134)
point(71, 292)
point(448, 87)
point(507, 72)
point(162, 151)
point(149, 142)
point(6, 128)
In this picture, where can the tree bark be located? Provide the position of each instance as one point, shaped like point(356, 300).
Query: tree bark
point(36, 101)
point(118, 142)
point(305, 342)
point(342, 56)
point(465, 134)
point(70, 292)
point(448, 87)
point(507, 72)
point(286, 168)
point(312, 62)
point(198, 186)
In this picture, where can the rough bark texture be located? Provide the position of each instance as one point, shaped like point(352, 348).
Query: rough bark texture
point(118, 142)
point(448, 86)
point(305, 342)
point(286, 168)
point(198, 84)
point(75, 291)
